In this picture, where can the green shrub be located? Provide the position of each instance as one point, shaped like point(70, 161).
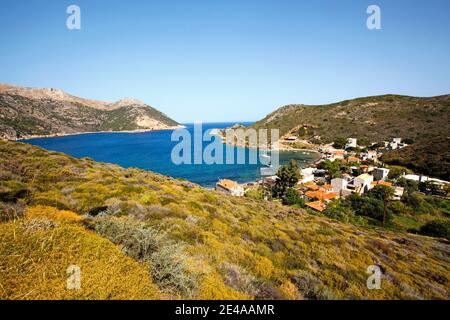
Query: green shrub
point(291, 197)
point(436, 228)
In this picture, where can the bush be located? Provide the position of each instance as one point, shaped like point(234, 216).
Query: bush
point(291, 197)
point(436, 228)
point(11, 191)
point(11, 211)
point(238, 279)
point(168, 263)
point(312, 287)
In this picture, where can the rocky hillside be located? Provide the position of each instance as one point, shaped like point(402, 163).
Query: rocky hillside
point(27, 112)
point(191, 242)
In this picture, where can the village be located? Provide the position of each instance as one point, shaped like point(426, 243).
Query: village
point(341, 172)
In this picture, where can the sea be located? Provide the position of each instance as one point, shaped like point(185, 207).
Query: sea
point(152, 151)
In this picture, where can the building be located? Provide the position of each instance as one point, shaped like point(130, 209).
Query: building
point(317, 205)
point(340, 187)
point(351, 143)
point(362, 183)
point(307, 175)
point(353, 159)
point(380, 173)
point(321, 195)
point(420, 178)
point(382, 183)
point(369, 155)
point(311, 186)
point(231, 187)
point(337, 154)
point(398, 193)
point(397, 140)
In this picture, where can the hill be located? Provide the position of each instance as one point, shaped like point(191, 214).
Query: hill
point(374, 119)
point(197, 243)
point(370, 119)
point(431, 157)
point(27, 112)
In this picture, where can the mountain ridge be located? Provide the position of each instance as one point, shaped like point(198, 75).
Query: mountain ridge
point(32, 112)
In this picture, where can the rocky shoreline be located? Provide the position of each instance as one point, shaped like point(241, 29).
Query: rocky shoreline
point(64, 134)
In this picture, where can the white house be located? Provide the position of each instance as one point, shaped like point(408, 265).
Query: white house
point(351, 143)
point(397, 140)
point(380, 173)
point(231, 187)
point(307, 175)
point(398, 193)
point(363, 183)
point(369, 155)
point(340, 187)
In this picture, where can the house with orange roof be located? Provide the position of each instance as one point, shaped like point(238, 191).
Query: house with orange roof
point(317, 205)
point(230, 186)
point(353, 159)
point(321, 195)
point(381, 182)
point(326, 188)
point(311, 186)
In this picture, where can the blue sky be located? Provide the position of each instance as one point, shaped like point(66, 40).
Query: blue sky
point(227, 60)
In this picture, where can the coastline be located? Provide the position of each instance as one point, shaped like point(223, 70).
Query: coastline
point(55, 135)
point(281, 146)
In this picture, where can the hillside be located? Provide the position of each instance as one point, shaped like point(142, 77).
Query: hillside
point(55, 240)
point(375, 119)
point(370, 119)
point(196, 243)
point(26, 112)
point(430, 157)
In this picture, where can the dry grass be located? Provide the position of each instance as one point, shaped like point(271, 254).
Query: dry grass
point(34, 258)
point(240, 248)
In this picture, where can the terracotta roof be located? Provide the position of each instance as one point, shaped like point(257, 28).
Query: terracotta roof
point(329, 196)
point(382, 182)
point(327, 186)
point(317, 205)
point(354, 159)
point(364, 166)
point(312, 186)
point(321, 195)
point(228, 184)
point(312, 194)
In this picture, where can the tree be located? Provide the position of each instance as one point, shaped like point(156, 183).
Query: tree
point(291, 197)
point(383, 193)
point(288, 176)
point(410, 186)
point(339, 143)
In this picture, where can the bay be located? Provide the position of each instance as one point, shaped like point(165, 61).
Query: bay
point(152, 151)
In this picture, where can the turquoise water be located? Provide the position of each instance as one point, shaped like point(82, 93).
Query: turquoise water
point(152, 151)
